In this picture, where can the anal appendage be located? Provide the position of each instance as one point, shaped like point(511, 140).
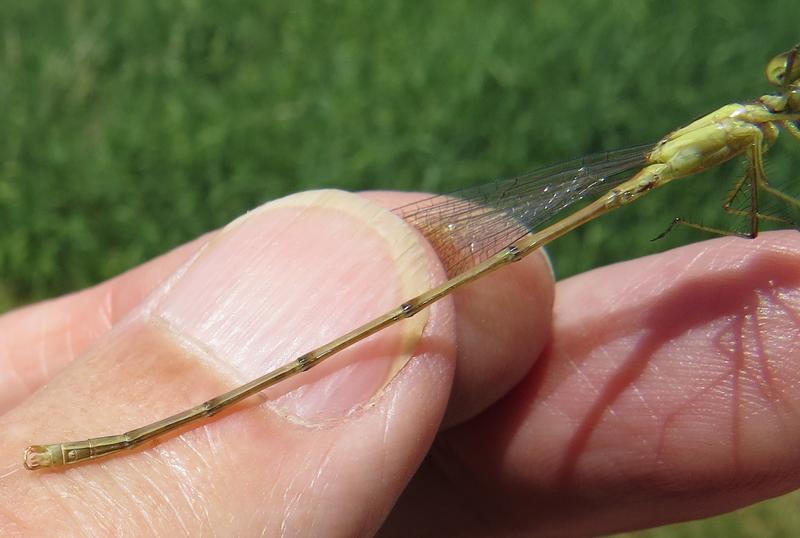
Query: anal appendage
point(60, 454)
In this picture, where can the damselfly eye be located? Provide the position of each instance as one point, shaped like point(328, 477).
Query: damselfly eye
point(782, 67)
point(776, 69)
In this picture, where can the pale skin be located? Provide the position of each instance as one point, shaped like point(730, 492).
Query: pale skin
point(656, 390)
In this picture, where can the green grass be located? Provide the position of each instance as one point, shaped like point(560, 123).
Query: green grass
point(778, 518)
point(131, 127)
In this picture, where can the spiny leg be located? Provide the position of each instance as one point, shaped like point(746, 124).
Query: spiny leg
point(761, 179)
point(727, 207)
point(754, 178)
point(680, 221)
point(792, 127)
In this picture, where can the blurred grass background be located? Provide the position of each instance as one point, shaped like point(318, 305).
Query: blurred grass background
point(127, 128)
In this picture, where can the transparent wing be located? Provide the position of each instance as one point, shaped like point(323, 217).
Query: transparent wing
point(468, 226)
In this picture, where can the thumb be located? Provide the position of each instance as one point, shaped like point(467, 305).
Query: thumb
point(330, 450)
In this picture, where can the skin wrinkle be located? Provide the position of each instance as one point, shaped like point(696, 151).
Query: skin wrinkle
point(204, 517)
point(290, 497)
point(69, 337)
point(11, 470)
point(765, 382)
point(318, 472)
point(645, 403)
point(10, 525)
point(755, 413)
point(390, 402)
point(653, 284)
point(696, 259)
point(106, 519)
point(14, 369)
point(174, 513)
point(632, 288)
point(665, 427)
point(322, 469)
point(209, 442)
point(128, 511)
point(737, 324)
point(42, 354)
point(144, 508)
point(277, 491)
point(192, 496)
point(107, 311)
point(326, 464)
point(152, 300)
point(582, 374)
point(5, 359)
point(141, 504)
point(382, 479)
point(774, 396)
point(62, 501)
point(198, 496)
point(292, 500)
point(101, 495)
point(272, 492)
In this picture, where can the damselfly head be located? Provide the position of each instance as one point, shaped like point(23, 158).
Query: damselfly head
point(784, 69)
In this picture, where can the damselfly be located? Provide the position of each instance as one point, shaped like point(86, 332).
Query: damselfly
point(479, 230)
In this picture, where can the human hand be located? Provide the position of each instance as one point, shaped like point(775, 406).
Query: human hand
point(662, 389)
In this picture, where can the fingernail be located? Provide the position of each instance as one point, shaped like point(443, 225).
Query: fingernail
point(291, 276)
